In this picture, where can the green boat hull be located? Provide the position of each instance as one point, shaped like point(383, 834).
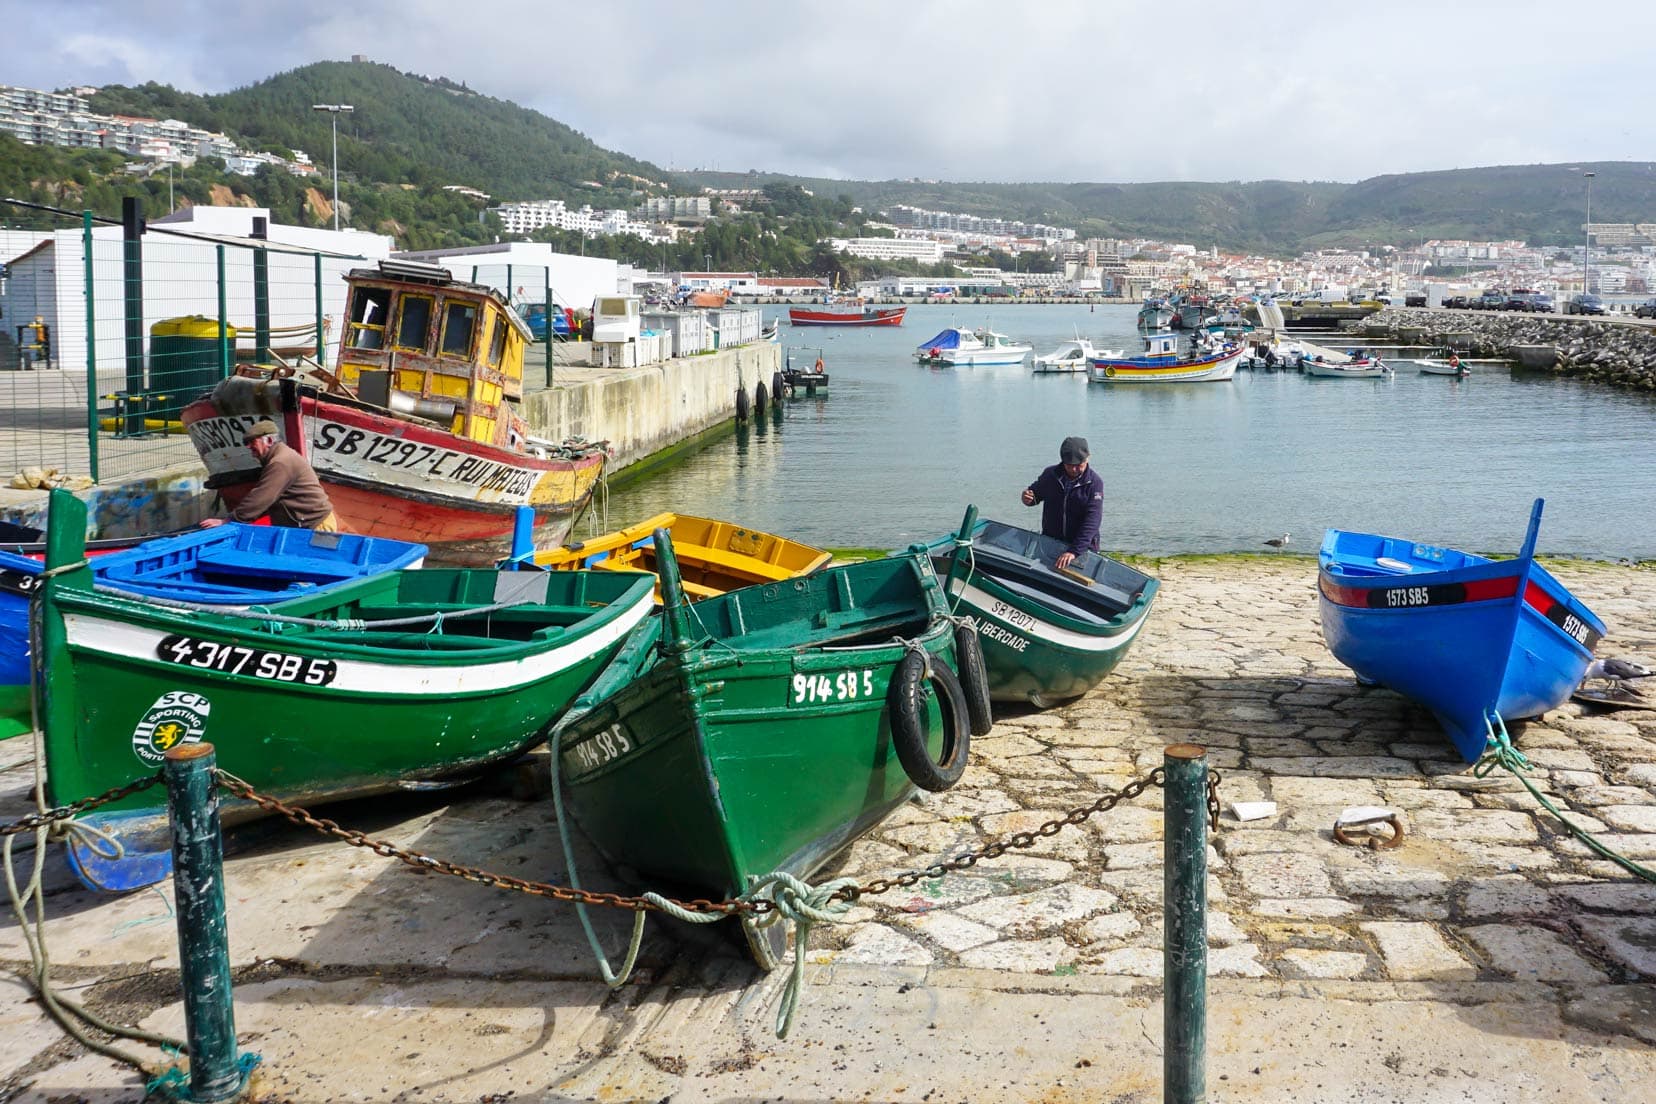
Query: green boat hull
point(767, 744)
point(1046, 638)
point(308, 713)
point(14, 711)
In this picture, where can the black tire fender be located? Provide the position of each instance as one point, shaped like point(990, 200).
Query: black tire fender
point(909, 731)
point(761, 398)
point(741, 404)
point(974, 679)
point(776, 383)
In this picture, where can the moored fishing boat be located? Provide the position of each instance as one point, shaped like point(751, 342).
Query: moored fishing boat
point(1438, 366)
point(1047, 635)
point(231, 565)
point(1477, 641)
point(1356, 364)
point(846, 312)
point(415, 434)
point(1161, 363)
point(765, 729)
point(400, 677)
point(1156, 314)
point(713, 556)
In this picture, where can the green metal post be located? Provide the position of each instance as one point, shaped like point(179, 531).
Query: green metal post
point(223, 318)
point(321, 343)
point(261, 293)
point(203, 939)
point(1184, 923)
point(91, 348)
point(547, 273)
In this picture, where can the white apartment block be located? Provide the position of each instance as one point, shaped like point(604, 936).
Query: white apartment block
point(532, 215)
point(54, 119)
point(890, 249)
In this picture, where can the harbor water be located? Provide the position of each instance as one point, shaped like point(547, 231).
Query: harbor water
point(895, 450)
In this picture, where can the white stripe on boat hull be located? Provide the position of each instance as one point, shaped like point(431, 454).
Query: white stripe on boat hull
point(121, 640)
point(1046, 632)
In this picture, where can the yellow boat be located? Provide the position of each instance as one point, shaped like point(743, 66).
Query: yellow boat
point(713, 556)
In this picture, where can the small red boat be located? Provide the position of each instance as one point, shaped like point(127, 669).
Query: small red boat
point(851, 312)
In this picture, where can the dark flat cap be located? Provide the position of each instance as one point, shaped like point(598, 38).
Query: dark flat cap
point(1073, 450)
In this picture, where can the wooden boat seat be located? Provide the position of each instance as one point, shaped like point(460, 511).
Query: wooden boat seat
point(260, 565)
point(733, 561)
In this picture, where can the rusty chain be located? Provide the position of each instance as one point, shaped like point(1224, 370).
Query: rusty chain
point(757, 907)
point(64, 812)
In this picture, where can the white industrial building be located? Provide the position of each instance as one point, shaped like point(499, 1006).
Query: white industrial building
point(180, 278)
point(523, 270)
point(890, 249)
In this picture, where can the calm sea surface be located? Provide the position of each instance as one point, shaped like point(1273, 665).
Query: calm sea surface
point(897, 450)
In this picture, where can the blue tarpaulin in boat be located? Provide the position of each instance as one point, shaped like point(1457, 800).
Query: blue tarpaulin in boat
point(948, 339)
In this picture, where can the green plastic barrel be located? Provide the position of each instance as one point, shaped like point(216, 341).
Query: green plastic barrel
point(184, 357)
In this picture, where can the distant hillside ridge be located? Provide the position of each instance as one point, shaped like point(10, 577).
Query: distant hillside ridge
point(407, 129)
point(1541, 204)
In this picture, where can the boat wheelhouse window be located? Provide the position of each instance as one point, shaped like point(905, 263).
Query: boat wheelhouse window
point(459, 320)
point(497, 347)
point(414, 322)
point(369, 308)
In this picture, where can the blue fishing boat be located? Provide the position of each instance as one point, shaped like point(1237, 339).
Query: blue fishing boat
point(1477, 641)
point(230, 565)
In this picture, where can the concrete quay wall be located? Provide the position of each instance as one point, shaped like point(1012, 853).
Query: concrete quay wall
point(1621, 353)
point(642, 411)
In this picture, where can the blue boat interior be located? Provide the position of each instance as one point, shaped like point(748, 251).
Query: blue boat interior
point(250, 563)
point(1368, 555)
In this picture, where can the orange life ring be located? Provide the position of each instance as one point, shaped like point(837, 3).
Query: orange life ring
point(818, 367)
point(1454, 361)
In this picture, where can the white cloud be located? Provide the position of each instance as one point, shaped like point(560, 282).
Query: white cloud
point(951, 89)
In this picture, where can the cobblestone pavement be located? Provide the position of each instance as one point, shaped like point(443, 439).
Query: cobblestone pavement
point(1487, 885)
point(1491, 958)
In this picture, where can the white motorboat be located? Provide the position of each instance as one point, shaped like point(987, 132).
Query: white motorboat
point(1071, 356)
point(956, 347)
point(1435, 366)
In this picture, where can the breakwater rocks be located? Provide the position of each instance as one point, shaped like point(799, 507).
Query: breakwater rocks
point(1616, 353)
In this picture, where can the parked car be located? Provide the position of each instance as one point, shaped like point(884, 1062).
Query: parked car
point(1541, 303)
point(1454, 302)
point(1414, 299)
point(1646, 309)
point(1489, 300)
point(1584, 304)
point(1518, 299)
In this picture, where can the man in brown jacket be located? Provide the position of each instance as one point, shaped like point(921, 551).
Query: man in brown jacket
point(287, 490)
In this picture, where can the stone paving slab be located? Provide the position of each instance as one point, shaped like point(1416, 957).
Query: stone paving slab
point(1490, 958)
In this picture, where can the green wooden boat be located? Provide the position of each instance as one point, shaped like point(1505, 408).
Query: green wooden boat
point(367, 690)
point(767, 728)
point(1047, 635)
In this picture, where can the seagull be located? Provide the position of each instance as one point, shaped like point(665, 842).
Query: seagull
point(1278, 542)
point(1618, 673)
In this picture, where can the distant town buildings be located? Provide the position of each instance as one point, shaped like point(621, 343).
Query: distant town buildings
point(66, 119)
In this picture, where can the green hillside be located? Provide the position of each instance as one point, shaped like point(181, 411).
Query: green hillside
point(406, 130)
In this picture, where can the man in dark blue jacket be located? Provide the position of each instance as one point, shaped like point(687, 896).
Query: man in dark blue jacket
point(1072, 500)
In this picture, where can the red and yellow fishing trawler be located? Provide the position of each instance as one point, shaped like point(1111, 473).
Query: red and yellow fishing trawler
point(415, 434)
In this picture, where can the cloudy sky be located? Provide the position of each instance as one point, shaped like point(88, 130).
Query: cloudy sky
point(1068, 90)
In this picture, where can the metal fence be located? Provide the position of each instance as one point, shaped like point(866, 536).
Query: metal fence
point(113, 327)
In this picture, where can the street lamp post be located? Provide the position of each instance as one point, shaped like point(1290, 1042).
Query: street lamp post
point(1587, 242)
point(334, 110)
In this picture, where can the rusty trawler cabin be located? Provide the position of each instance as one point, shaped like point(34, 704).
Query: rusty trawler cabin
point(421, 343)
